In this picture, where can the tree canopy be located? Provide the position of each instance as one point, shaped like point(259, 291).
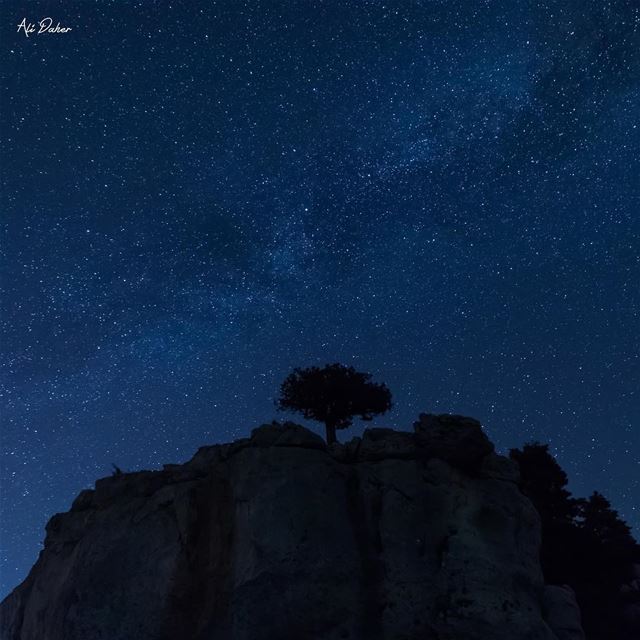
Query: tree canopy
point(585, 544)
point(333, 394)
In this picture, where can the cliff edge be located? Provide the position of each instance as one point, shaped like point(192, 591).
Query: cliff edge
point(392, 536)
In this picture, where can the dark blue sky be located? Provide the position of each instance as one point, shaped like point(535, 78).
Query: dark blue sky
point(198, 197)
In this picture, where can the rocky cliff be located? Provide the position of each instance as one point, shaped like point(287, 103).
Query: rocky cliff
point(395, 535)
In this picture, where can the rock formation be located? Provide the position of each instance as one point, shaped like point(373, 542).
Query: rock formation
point(561, 612)
point(631, 602)
point(392, 536)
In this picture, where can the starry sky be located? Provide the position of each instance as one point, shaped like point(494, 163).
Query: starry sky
point(199, 196)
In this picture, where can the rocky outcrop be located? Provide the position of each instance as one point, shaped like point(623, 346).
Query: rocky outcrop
point(391, 536)
point(562, 612)
point(630, 596)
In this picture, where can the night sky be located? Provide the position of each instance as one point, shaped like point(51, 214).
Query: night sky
point(197, 197)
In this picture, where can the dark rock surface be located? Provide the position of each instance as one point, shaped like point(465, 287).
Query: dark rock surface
point(562, 612)
point(631, 599)
point(456, 439)
point(392, 536)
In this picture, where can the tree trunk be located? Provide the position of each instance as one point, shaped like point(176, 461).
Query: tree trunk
point(331, 433)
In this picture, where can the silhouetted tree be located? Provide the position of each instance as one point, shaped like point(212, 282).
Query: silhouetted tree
point(600, 520)
point(609, 539)
point(585, 544)
point(333, 394)
point(544, 482)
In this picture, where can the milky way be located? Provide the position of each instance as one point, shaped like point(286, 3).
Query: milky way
point(198, 197)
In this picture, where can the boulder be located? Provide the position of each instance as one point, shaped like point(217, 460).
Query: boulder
point(457, 439)
point(286, 435)
point(630, 594)
point(562, 613)
point(500, 467)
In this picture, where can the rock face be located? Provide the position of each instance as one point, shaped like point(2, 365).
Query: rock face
point(393, 536)
point(631, 602)
point(562, 612)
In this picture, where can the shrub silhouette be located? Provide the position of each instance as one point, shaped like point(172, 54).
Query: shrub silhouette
point(333, 394)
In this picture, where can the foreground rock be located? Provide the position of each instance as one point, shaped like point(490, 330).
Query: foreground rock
point(562, 612)
point(394, 536)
